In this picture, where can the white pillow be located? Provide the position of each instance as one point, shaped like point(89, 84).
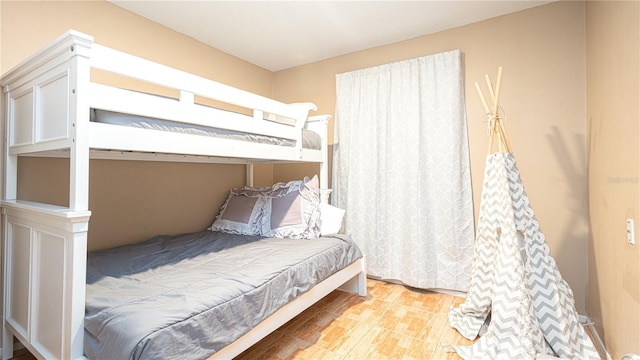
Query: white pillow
point(330, 219)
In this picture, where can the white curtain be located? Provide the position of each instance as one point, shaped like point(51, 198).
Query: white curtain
point(401, 170)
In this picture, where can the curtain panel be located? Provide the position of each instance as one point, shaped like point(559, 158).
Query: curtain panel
point(401, 170)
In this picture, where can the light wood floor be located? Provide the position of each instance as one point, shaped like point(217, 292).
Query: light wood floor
point(391, 322)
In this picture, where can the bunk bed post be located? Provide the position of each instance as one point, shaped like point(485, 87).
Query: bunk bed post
point(76, 247)
point(44, 245)
point(9, 188)
point(250, 174)
point(324, 178)
point(10, 162)
point(320, 125)
point(79, 120)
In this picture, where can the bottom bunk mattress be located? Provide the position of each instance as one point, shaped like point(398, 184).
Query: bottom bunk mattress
point(188, 296)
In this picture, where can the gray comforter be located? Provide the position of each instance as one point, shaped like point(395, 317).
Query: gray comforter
point(187, 296)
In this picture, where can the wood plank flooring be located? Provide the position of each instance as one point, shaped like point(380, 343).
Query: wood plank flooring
point(391, 322)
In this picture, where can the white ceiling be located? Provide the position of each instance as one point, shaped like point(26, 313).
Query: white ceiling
point(277, 35)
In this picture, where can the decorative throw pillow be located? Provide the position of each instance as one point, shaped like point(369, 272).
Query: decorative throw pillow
point(330, 219)
point(293, 210)
point(242, 212)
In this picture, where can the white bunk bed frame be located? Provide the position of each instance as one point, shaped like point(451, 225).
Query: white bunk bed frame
point(47, 102)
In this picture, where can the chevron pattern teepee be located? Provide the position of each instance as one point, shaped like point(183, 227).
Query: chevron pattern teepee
point(514, 277)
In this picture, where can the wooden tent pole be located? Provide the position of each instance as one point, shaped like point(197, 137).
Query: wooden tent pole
point(499, 122)
point(496, 126)
point(484, 101)
point(504, 135)
point(497, 95)
point(490, 87)
point(488, 112)
point(494, 111)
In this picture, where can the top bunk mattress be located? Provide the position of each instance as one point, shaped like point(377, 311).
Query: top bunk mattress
point(188, 296)
point(310, 139)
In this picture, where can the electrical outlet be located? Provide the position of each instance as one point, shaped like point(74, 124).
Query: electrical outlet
point(631, 236)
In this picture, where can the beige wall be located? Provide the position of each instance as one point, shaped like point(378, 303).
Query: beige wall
point(542, 51)
point(131, 201)
point(613, 122)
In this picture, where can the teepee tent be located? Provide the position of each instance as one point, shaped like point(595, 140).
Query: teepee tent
point(514, 281)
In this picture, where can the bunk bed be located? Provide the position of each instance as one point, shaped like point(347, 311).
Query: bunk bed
point(52, 108)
